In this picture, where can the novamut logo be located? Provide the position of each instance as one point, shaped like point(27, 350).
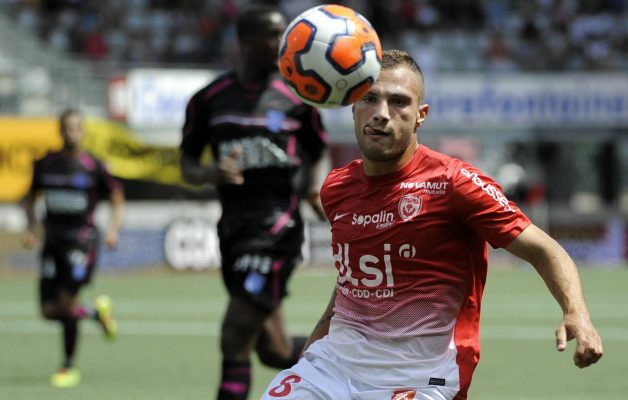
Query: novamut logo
point(439, 187)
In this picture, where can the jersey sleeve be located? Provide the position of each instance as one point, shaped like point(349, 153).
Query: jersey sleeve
point(107, 183)
point(312, 134)
point(35, 177)
point(195, 130)
point(481, 205)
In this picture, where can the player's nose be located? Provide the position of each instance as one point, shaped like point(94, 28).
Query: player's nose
point(381, 112)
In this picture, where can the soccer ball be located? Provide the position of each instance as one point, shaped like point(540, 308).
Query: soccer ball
point(330, 56)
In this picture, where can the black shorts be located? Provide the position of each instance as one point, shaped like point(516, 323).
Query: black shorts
point(261, 278)
point(257, 262)
point(67, 265)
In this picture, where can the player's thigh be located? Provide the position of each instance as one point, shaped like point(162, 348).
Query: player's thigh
point(260, 276)
point(309, 379)
point(274, 335)
point(288, 385)
point(53, 274)
point(242, 325)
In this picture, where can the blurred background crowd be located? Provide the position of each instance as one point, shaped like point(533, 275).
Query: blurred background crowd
point(515, 35)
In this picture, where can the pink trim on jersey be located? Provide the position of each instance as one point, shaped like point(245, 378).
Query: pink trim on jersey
point(291, 148)
point(84, 232)
point(234, 387)
point(288, 124)
point(87, 161)
point(318, 128)
point(281, 87)
point(213, 90)
point(276, 267)
point(283, 220)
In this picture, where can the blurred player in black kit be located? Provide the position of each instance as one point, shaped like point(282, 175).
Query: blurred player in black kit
point(72, 182)
point(263, 139)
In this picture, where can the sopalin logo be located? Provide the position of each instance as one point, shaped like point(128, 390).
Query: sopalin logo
point(382, 219)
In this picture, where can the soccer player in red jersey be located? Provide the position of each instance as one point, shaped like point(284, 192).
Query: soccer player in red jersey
point(72, 183)
point(410, 228)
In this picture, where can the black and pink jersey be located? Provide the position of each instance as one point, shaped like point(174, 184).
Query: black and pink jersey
point(72, 187)
point(278, 136)
point(411, 252)
point(274, 129)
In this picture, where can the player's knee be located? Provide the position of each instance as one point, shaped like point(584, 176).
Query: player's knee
point(282, 358)
point(235, 343)
point(274, 359)
point(49, 311)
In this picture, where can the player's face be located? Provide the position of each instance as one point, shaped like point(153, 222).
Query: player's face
point(387, 117)
point(72, 131)
point(264, 47)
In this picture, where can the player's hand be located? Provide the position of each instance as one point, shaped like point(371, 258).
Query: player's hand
point(588, 342)
point(314, 198)
point(229, 167)
point(29, 239)
point(111, 239)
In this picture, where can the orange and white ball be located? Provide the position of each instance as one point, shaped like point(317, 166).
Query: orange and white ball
point(330, 56)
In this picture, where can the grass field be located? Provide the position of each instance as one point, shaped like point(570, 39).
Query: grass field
point(169, 324)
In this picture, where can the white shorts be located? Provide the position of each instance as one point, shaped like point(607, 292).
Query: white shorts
point(313, 378)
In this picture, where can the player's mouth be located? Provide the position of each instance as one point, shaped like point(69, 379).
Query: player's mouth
point(371, 131)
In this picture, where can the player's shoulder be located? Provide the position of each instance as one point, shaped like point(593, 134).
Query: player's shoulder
point(48, 158)
point(90, 161)
point(343, 177)
point(347, 172)
point(216, 86)
point(439, 163)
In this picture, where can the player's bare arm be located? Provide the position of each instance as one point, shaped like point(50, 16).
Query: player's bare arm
point(322, 326)
point(314, 192)
point(30, 236)
point(228, 169)
point(561, 277)
point(117, 206)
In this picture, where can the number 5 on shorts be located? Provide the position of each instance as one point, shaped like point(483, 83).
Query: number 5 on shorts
point(284, 387)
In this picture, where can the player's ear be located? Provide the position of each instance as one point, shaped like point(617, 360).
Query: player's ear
point(421, 115)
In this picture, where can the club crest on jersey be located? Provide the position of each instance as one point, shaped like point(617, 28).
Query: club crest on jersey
point(275, 120)
point(409, 206)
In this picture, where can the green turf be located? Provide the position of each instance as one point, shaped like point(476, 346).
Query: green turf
point(169, 323)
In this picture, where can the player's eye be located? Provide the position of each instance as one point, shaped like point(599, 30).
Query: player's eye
point(399, 101)
point(369, 98)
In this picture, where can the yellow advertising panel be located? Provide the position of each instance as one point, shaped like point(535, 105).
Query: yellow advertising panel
point(127, 157)
point(23, 140)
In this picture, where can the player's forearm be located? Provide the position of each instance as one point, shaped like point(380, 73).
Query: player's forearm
point(195, 173)
point(555, 267)
point(561, 277)
point(117, 205)
point(322, 326)
point(29, 211)
point(316, 172)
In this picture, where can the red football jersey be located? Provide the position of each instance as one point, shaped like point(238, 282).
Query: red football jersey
point(411, 252)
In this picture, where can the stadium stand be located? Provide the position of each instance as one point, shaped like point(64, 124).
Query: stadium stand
point(452, 35)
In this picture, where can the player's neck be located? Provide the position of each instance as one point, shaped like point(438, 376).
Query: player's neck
point(377, 168)
point(253, 76)
point(72, 151)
